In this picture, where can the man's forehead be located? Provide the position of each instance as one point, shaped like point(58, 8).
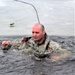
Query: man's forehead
point(37, 27)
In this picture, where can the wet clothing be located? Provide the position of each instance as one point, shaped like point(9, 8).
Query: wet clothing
point(47, 48)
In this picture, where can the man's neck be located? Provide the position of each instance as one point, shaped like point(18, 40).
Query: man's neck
point(41, 40)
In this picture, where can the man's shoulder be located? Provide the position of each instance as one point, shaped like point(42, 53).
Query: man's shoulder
point(31, 40)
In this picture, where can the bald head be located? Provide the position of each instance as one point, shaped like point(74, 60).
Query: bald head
point(40, 26)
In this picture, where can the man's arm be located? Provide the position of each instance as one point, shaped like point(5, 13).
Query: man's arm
point(57, 52)
point(6, 45)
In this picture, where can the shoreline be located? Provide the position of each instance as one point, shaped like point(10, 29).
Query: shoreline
point(31, 35)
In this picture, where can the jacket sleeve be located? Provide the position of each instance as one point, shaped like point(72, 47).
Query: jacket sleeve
point(26, 48)
point(58, 51)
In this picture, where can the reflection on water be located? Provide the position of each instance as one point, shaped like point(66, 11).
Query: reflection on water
point(56, 15)
point(16, 63)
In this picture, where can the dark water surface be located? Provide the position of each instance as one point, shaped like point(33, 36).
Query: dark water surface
point(15, 63)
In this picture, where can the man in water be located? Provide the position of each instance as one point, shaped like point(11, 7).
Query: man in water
point(41, 46)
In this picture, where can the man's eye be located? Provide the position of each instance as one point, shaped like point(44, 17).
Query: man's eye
point(35, 32)
point(32, 32)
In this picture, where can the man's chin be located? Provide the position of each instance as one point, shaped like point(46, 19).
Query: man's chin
point(35, 39)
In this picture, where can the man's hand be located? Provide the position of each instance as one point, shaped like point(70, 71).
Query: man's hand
point(6, 45)
point(56, 58)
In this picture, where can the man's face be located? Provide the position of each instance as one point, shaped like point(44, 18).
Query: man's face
point(37, 33)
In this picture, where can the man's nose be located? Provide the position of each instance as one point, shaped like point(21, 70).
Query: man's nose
point(34, 34)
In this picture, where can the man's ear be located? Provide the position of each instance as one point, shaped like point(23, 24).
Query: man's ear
point(44, 32)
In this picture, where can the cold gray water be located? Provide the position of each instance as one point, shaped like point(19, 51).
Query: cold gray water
point(56, 15)
point(15, 63)
point(58, 19)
